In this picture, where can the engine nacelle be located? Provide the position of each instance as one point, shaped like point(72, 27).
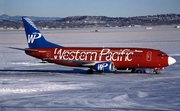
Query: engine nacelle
point(104, 66)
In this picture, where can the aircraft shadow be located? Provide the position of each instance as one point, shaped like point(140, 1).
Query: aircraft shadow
point(74, 71)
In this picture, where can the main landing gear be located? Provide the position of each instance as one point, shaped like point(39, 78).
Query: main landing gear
point(90, 71)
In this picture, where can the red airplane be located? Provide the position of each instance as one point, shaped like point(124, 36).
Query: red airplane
point(95, 58)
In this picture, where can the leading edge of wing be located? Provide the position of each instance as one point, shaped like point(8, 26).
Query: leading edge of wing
point(77, 62)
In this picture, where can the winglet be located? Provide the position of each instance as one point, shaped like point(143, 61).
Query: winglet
point(34, 37)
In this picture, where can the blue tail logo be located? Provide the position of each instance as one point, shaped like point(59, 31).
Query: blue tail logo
point(34, 37)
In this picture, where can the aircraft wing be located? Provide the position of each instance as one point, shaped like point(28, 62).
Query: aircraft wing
point(76, 62)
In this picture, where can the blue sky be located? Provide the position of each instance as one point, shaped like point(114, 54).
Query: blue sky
point(111, 8)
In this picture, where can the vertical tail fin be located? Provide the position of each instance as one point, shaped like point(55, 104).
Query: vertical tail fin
point(34, 37)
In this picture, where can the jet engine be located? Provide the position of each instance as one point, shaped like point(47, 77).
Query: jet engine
point(104, 66)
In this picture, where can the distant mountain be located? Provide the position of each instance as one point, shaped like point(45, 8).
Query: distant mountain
point(15, 22)
point(7, 17)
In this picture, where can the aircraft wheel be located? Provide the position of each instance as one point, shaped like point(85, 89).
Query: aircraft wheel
point(115, 71)
point(155, 72)
point(144, 71)
point(133, 70)
point(90, 71)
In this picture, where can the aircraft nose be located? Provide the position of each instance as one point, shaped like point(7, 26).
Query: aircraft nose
point(171, 60)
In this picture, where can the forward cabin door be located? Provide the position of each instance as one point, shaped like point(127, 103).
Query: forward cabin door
point(48, 54)
point(149, 56)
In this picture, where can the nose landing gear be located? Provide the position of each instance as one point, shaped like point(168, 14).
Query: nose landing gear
point(156, 72)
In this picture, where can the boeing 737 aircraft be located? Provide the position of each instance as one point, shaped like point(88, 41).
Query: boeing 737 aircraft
point(95, 58)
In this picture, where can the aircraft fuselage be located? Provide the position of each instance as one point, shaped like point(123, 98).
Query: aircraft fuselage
point(120, 57)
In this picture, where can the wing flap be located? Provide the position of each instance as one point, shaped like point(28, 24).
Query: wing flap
point(77, 62)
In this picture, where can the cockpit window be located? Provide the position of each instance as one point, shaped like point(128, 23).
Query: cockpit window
point(162, 55)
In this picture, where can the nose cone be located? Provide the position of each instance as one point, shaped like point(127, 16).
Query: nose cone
point(171, 60)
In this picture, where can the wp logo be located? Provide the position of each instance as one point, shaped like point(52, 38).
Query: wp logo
point(101, 66)
point(33, 36)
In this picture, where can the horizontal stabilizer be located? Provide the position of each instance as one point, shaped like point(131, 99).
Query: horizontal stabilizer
point(31, 50)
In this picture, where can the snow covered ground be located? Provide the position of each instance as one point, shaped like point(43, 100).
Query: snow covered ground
point(28, 84)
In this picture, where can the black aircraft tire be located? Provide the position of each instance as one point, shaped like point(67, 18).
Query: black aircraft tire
point(89, 71)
